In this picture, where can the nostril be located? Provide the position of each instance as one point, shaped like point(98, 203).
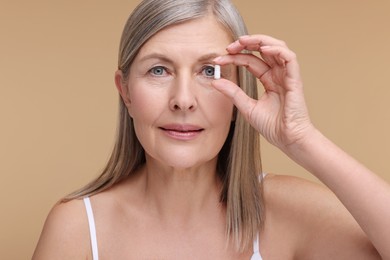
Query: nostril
point(183, 103)
point(183, 108)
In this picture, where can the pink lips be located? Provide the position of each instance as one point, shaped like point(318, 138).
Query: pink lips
point(182, 132)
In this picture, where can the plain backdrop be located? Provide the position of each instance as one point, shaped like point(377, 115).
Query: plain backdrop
point(58, 102)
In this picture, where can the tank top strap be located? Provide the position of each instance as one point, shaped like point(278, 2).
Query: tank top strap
point(92, 228)
point(256, 245)
point(256, 250)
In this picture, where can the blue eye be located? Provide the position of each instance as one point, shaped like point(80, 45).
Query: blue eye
point(157, 71)
point(208, 71)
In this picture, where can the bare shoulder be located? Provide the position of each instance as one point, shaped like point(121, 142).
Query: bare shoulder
point(65, 234)
point(320, 226)
point(286, 193)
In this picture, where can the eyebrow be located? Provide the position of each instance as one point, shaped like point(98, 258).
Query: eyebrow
point(209, 56)
point(203, 58)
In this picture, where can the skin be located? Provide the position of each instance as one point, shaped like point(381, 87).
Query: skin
point(170, 208)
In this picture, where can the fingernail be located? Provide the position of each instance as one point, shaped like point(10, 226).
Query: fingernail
point(217, 59)
point(244, 37)
point(265, 47)
point(230, 45)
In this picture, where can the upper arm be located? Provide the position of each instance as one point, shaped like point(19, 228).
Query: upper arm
point(65, 233)
point(324, 228)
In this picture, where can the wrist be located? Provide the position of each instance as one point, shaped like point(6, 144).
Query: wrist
point(305, 145)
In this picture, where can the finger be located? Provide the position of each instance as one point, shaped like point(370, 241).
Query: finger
point(253, 43)
point(285, 58)
point(262, 40)
point(240, 99)
point(253, 64)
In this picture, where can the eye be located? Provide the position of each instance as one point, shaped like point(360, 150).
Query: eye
point(157, 71)
point(208, 71)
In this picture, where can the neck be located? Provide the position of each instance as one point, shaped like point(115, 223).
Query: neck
point(182, 195)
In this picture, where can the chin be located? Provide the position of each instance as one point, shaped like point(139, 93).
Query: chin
point(185, 162)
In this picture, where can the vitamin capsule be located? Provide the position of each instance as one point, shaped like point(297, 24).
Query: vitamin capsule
point(217, 72)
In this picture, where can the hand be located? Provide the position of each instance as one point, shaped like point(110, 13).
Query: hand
point(280, 114)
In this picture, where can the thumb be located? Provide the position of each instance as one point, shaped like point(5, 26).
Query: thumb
point(240, 99)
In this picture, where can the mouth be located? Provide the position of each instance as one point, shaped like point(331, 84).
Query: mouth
point(182, 131)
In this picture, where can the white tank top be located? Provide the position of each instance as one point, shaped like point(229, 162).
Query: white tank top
point(92, 232)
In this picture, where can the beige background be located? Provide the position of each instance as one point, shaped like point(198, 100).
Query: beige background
point(58, 103)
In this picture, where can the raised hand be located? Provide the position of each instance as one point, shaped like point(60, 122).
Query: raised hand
point(280, 114)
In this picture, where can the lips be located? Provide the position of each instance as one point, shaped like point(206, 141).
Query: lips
point(181, 128)
point(182, 132)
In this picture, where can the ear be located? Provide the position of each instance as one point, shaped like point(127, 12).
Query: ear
point(122, 88)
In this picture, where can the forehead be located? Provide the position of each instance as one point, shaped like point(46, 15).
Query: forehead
point(200, 35)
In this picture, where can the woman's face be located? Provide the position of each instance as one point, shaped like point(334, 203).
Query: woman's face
point(179, 118)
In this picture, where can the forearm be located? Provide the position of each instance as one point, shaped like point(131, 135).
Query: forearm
point(364, 194)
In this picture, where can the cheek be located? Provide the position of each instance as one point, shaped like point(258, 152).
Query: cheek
point(144, 109)
point(145, 102)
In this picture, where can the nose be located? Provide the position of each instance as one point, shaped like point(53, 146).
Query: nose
point(183, 95)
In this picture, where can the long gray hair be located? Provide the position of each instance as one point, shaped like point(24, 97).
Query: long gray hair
point(239, 164)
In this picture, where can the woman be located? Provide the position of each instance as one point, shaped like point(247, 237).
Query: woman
point(184, 180)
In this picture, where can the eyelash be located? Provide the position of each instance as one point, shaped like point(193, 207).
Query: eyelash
point(208, 67)
point(164, 70)
point(152, 71)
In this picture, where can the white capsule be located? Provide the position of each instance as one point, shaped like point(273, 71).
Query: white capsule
point(217, 72)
